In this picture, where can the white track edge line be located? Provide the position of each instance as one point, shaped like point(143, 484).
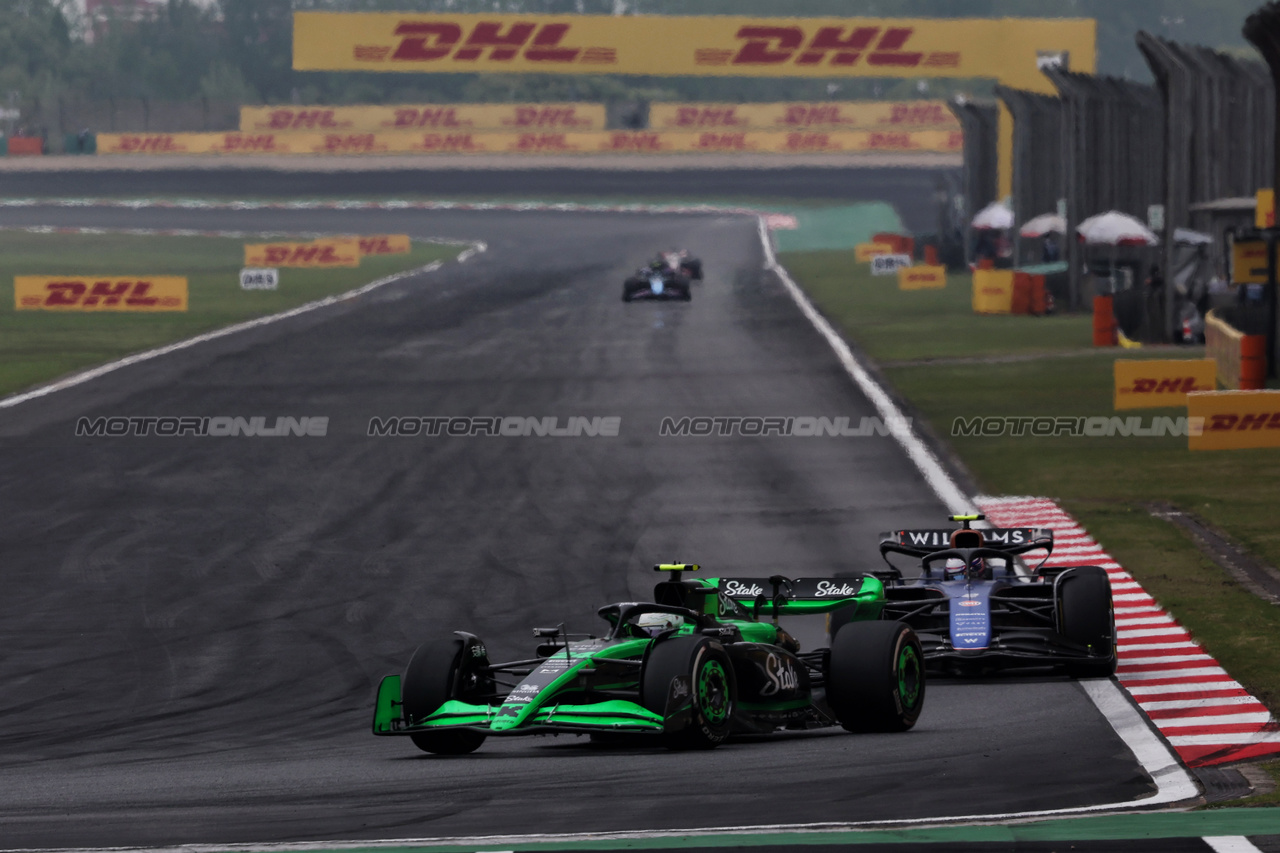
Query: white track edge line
point(112, 366)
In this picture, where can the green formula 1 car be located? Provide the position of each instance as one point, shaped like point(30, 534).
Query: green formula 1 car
point(690, 668)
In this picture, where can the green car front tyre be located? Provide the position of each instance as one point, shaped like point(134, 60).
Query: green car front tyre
point(437, 673)
point(875, 680)
point(706, 683)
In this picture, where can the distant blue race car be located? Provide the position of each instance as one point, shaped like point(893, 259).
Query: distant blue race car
point(977, 608)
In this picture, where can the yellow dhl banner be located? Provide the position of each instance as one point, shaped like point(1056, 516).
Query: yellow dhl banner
point(992, 291)
point(1003, 48)
point(633, 142)
point(442, 117)
point(864, 252)
point(384, 244)
point(328, 252)
point(1153, 383)
point(1233, 420)
point(845, 115)
point(99, 293)
point(922, 278)
point(1249, 262)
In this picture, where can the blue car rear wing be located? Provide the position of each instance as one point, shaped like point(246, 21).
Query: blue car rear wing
point(1009, 540)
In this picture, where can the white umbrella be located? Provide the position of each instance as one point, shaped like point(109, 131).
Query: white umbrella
point(1187, 237)
point(993, 217)
point(1114, 228)
point(1045, 223)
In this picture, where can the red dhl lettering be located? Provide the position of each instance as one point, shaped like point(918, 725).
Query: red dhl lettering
point(302, 119)
point(707, 117)
point(802, 115)
point(723, 141)
point(1244, 422)
point(893, 141)
point(922, 276)
point(449, 142)
point(882, 47)
point(543, 142)
point(635, 142)
point(1177, 385)
point(350, 143)
point(239, 142)
point(64, 294)
point(919, 114)
point(431, 41)
point(810, 142)
point(547, 117)
point(428, 117)
point(140, 144)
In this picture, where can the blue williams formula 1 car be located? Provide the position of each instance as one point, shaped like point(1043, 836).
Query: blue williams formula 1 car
point(668, 276)
point(976, 607)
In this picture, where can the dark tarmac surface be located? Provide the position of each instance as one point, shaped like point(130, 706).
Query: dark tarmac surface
point(194, 626)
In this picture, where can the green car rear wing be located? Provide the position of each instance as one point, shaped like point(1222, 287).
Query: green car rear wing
point(780, 596)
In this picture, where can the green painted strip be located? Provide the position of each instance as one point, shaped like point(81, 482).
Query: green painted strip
point(1245, 821)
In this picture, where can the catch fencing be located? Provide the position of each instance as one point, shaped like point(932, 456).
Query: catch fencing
point(1037, 163)
point(979, 122)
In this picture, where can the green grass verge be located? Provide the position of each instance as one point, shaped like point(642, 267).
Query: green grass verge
point(1104, 482)
point(37, 346)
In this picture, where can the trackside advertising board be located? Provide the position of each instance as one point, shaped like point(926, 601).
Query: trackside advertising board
point(445, 117)
point(1234, 420)
point(99, 293)
point(539, 142)
point(846, 115)
point(1156, 383)
point(719, 45)
point(335, 252)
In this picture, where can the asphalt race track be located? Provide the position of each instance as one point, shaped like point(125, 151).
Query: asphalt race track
point(194, 626)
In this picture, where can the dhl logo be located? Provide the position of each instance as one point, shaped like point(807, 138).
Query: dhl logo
point(351, 143)
point(542, 142)
point(1174, 385)
point(881, 141)
point(1242, 421)
point(805, 115)
point(698, 117)
point(810, 142)
point(920, 114)
point(164, 293)
point(320, 253)
point(647, 142)
point(412, 117)
point(722, 142)
point(552, 117)
point(244, 142)
point(462, 142)
point(384, 244)
point(433, 41)
point(878, 47)
point(302, 119)
point(160, 143)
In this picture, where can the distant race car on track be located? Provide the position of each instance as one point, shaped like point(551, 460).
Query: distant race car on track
point(690, 668)
point(976, 607)
point(667, 276)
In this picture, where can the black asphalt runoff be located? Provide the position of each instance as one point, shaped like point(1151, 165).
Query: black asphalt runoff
point(194, 626)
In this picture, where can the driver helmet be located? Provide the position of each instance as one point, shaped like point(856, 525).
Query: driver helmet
point(955, 568)
point(653, 624)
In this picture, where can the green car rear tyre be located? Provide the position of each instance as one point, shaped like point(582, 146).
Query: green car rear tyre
point(436, 673)
point(708, 677)
point(875, 678)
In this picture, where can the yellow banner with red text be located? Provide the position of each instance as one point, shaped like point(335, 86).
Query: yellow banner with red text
point(449, 118)
point(838, 115)
point(630, 142)
point(1234, 420)
point(1008, 49)
point(1154, 383)
point(326, 252)
point(99, 293)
